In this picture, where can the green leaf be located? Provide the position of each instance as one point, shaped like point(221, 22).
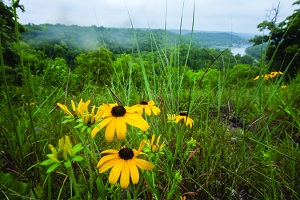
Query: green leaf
point(89, 130)
point(67, 121)
point(83, 128)
point(53, 167)
point(67, 164)
point(80, 120)
point(77, 158)
point(79, 125)
point(78, 147)
point(47, 162)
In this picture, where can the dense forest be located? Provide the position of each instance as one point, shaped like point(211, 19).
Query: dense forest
point(69, 41)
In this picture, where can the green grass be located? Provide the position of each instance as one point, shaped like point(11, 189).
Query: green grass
point(244, 142)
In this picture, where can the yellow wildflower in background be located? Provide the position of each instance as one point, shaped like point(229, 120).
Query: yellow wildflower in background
point(148, 107)
point(154, 146)
point(184, 116)
point(171, 117)
point(116, 117)
point(31, 104)
point(283, 86)
point(267, 76)
point(124, 164)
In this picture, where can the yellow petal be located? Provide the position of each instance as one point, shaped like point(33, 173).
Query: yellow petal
point(155, 110)
point(143, 164)
point(61, 143)
point(107, 165)
point(110, 151)
point(134, 172)
point(110, 130)
point(124, 180)
point(178, 118)
point(142, 145)
point(73, 105)
point(147, 110)
point(107, 158)
point(121, 128)
point(105, 121)
point(93, 114)
point(95, 131)
point(151, 103)
point(137, 121)
point(65, 109)
point(53, 150)
point(115, 172)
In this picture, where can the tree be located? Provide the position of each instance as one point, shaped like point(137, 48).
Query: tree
point(7, 32)
point(95, 66)
point(284, 41)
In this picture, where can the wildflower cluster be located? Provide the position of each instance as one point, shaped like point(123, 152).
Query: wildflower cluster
point(182, 116)
point(123, 162)
point(268, 76)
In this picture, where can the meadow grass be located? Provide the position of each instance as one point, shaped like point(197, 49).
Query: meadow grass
point(244, 143)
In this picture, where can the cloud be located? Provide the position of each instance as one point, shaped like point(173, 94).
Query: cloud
point(213, 15)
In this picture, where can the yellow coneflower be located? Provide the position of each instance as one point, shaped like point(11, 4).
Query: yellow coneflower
point(124, 164)
point(116, 117)
point(184, 116)
point(148, 107)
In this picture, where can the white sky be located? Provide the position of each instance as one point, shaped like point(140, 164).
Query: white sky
point(210, 15)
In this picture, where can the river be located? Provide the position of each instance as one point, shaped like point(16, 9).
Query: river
point(239, 50)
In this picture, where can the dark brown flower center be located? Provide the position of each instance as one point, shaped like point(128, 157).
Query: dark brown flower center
point(183, 113)
point(126, 153)
point(118, 111)
point(144, 103)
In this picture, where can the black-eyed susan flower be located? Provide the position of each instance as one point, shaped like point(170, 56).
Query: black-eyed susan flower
point(65, 154)
point(124, 164)
point(155, 146)
point(116, 117)
point(31, 104)
point(148, 107)
point(186, 118)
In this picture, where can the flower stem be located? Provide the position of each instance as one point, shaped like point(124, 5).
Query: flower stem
point(73, 181)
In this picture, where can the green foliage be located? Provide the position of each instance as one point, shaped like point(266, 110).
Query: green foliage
point(244, 142)
point(95, 66)
point(8, 36)
point(11, 187)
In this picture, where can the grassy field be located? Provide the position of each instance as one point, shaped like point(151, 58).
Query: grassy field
point(223, 135)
